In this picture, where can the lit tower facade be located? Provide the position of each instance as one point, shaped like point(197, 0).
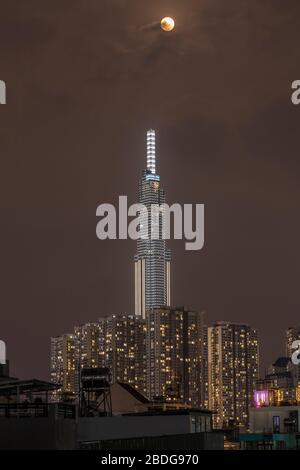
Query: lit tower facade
point(152, 261)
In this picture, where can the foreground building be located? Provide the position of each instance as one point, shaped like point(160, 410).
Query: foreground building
point(36, 424)
point(233, 367)
point(275, 419)
point(60, 427)
point(273, 428)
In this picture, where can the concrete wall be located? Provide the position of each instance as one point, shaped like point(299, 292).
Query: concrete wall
point(37, 433)
point(188, 442)
point(53, 433)
point(122, 427)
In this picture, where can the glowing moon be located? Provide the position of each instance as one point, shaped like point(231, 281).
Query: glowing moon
point(167, 24)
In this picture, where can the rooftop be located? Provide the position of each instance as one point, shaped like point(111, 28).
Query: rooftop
point(158, 412)
point(13, 386)
point(141, 398)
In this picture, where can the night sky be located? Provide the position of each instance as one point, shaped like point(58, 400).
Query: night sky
point(85, 80)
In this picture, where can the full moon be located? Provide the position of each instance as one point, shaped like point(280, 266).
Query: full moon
point(167, 24)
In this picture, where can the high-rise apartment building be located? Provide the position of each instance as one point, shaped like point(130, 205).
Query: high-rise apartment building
point(116, 342)
point(175, 356)
point(63, 364)
point(87, 349)
point(233, 368)
point(87, 345)
point(204, 372)
point(152, 261)
point(123, 346)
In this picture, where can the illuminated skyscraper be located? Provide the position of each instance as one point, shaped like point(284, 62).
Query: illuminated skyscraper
point(152, 262)
point(232, 371)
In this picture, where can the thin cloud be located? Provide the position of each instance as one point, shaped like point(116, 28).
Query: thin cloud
point(150, 26)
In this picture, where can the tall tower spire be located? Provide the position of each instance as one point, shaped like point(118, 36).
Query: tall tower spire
point(151, 151)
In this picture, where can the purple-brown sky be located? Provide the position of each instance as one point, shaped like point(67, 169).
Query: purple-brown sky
point(85, 79)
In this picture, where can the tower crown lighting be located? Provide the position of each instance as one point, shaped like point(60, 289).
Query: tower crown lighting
point(151, 156)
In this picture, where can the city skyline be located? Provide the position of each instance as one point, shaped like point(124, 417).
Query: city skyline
point(174, 360)
point(171, 357)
